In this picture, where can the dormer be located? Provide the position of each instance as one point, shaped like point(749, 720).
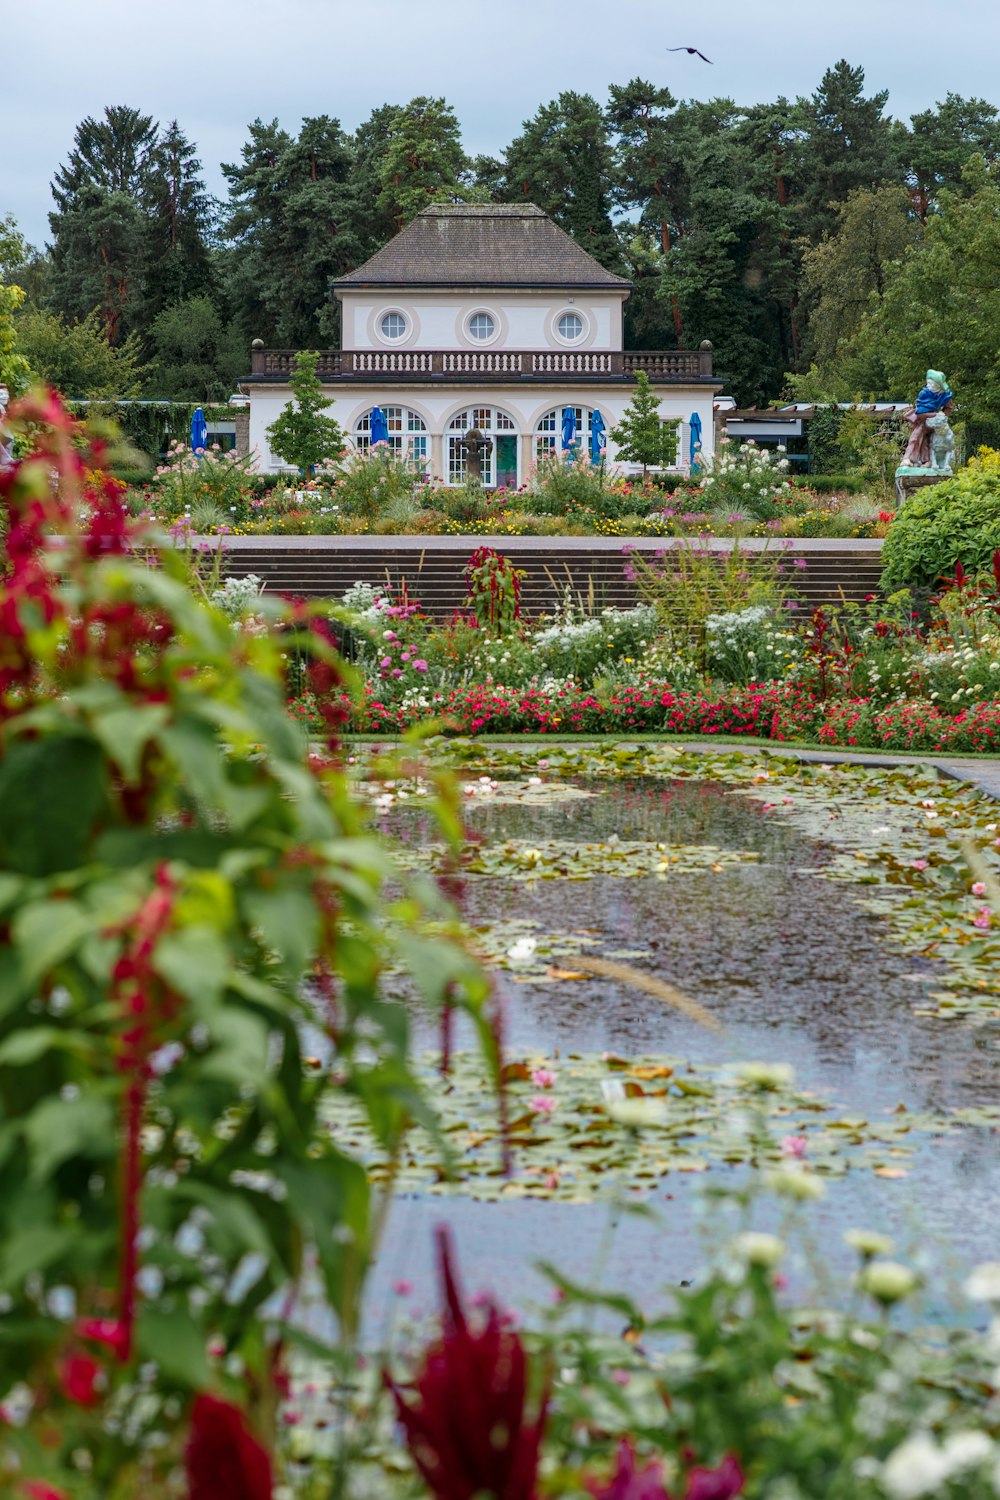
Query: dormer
point(474, 276)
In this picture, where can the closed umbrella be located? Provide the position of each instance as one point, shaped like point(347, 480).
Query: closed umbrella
point(379, 426)
point(596, 436)
point(568, 429)
point(695, 425)
point(199, 431)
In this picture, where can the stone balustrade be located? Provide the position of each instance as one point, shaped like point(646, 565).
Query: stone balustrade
point(663, 366)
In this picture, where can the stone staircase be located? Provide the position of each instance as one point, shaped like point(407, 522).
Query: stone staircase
point(430, 569)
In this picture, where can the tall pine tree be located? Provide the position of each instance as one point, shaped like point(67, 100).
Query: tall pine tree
point(562, 162)
point(178, 224)
point(98, 227)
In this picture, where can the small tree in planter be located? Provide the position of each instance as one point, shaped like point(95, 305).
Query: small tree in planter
point(642, 437)
point(303, 434)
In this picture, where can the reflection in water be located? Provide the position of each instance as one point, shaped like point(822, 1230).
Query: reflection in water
point(795, 968)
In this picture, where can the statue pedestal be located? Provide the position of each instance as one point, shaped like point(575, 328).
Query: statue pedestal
point(910, 479)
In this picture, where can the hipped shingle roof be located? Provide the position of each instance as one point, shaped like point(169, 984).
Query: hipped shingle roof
point(475, 244)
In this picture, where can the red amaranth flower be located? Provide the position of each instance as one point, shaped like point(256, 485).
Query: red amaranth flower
point(629, 1482)
point(78, 1378)
point(223, 1458)
point(468, 1430)
point(38, 1489)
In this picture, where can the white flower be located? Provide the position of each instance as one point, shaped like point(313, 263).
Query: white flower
point(762, 1250)
point(984, 1283)
point(867, 1243)
point(764, 1075)
point(918, 1467)
point(638, 1114)
point(887, 1281)
point(791, 1181)
point(523, 950)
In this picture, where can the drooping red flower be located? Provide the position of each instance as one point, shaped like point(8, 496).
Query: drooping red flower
point(37, 1489)
point(78, 1379)
point(223, 1457)
point(723, 1483)
point(468, 1430)
point(629, 1482)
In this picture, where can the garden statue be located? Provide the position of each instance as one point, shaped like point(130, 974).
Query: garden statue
point(942, 442)
point(6, 449)
point(476, 446)
point(930, 450)
point(934, 399)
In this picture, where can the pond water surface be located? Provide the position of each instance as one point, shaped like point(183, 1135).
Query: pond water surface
point(796, 970)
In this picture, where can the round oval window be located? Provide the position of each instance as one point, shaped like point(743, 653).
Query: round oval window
point(393, 325)
point(570, 326)
point(482, 326)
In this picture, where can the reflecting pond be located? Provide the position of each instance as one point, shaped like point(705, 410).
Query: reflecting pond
point(794, 966)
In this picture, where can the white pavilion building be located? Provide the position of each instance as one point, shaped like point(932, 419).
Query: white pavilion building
point(485, 316)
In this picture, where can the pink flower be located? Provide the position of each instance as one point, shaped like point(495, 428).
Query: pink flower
point(419, 665)
point(920, 864)
point(386, 662)
point(983, 917)
point(543, 1104)
point(402, 1288)
point(979, 888)
point(543, 1078)
point(621, 1377)
point(794, 1145)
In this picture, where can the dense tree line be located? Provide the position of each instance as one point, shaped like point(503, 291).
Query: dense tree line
point(817, 242)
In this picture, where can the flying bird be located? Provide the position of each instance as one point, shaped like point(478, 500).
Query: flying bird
point(692, 50)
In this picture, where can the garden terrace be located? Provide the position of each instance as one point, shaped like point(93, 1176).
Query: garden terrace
point(661, 365)
point(593, 568)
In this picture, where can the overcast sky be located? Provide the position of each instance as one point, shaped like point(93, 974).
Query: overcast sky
point(216, 64)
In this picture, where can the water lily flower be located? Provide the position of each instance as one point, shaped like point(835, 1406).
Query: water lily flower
point(794, 1145)
point(523, 950)
point(765, 1075)
point(543, 1104)
point(978, 888)
point(919, 864)
point(983, 917)
point(467, 1428)
point(543, 1078)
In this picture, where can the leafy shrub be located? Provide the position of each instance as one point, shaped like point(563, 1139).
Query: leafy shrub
point(556, 482)
point(582, 648)
point(186, 480)
point(748, 481)
point(750, 645)
point(493, 594)
point(174, 863)
point(955, 521)
point(365, 482)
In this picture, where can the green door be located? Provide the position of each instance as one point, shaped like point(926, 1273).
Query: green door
point(507, 461)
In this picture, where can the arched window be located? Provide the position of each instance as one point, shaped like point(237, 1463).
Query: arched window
point(407, 435)
point(548, 433)
point(500, 463)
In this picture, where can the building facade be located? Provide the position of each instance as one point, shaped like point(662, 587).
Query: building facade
point(485, 316)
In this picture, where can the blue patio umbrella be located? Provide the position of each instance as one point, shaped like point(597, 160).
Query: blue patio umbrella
point(379, 426)
point(596, 436)
point(695, 425)
point(199, 431)
point(568, 429)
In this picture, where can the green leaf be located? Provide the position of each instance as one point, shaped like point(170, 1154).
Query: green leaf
point(60, 1129)
point(45, 933)
point(194, 961)
point(52, 794)
point(33, 1248)
point(30, 1043)
point(289, 923)
point(125, 733)
point(174, 1341)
